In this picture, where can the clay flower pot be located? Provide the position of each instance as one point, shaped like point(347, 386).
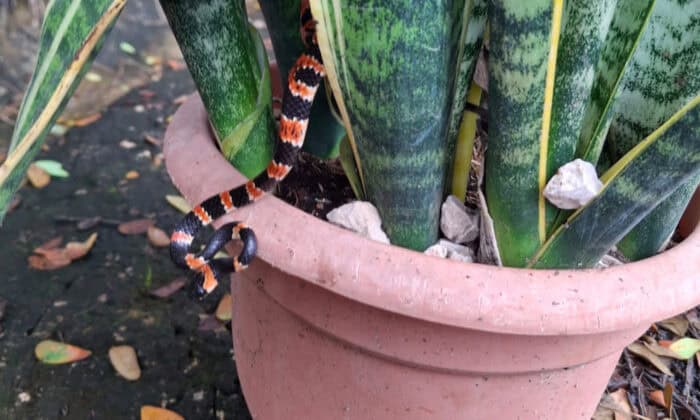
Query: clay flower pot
point(329, 325)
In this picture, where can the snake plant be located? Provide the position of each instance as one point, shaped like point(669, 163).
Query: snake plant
point(613, 82)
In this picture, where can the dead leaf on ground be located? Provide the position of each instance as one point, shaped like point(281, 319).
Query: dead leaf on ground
point(80, 122)
point(693, 317)
point(657, 348)
point(619, 403)
point(657, 397)
point(223, 309)
point(151, 140)
point(179, 203)
point(677, 325)
point(150, 412)
point(135, 227)
point(55, 352)
point(49, 256)
point(38, 177)
point(659, 363)
point(170, 288)
point(131, 175)
point(157, 237)
point(208, 323)
point(125, 362)
point(76, 250)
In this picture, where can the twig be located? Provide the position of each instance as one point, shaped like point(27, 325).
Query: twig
point(635, 384)
point(689, 375)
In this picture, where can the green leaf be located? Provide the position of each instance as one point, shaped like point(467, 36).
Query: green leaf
point(633, 187)
point(71, 34)
point(524, 38)
point(685, 347)
point(626, 29)
point(325, 130)
point(585, 27)
point(391, 65)
point(652, 234)
point(664, 74)
point(53, 168)
point(229, 65)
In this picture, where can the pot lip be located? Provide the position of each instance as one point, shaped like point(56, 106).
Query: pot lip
point(474, 296)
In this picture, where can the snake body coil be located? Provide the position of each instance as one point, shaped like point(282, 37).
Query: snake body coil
point(302, 84)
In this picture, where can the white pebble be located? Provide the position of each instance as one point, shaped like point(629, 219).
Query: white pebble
point(574, 185)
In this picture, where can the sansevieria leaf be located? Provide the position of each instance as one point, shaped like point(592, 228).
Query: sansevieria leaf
point(325, 129)
point(664, 74)
point(524, 42)
point(229, 65)
point(71, 34)
point(628, 25)
point(633, 186)
point(392, 65)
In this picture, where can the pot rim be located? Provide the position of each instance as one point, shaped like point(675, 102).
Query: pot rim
point(474, 296)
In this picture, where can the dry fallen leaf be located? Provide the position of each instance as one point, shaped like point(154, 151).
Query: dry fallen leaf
point(677, 325)
point(658, 348)
point(209, 323)
point(135, 227)
point(124, 361)
point(223, 310)
point(38, 177)
point(657, 396)
point(131, 175)
point(149, 412)
point(693, 317)
point(50, 257)
point(157, 237)
point(642, 351)
point(76, 250)
point(179, 203)
point(54, 352)
point(176, 65)
point(620, 405)
point(152, 140)
point(80, 122)
point(170, 288)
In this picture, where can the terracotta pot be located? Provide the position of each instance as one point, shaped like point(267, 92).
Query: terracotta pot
point(329, 325)
point(691, 217)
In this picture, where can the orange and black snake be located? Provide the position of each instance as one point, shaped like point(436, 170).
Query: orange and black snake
point(302, 84)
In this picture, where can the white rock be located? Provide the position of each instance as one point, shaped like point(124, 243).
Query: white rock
point(457, 223)
point(361, 217)
point(450, 250)
point(574, 185)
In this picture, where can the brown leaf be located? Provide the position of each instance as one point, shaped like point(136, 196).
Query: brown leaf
point(149, 412)
point(75, 250)
point(157, 237)
point(621, 405)
point(50, 260)
point(657, 397)
point(81, 122)
point(131, 175)
point(223, 309)
point(693, 317)
point(677, 325)
point(152, 140)
point(170, 288)
point(642, 351)
point(38, 177)
point(135, 227)
point(658, 348)
point(668, 398)
point(125, 362)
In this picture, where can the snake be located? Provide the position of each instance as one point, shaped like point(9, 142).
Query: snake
point(303, 81)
